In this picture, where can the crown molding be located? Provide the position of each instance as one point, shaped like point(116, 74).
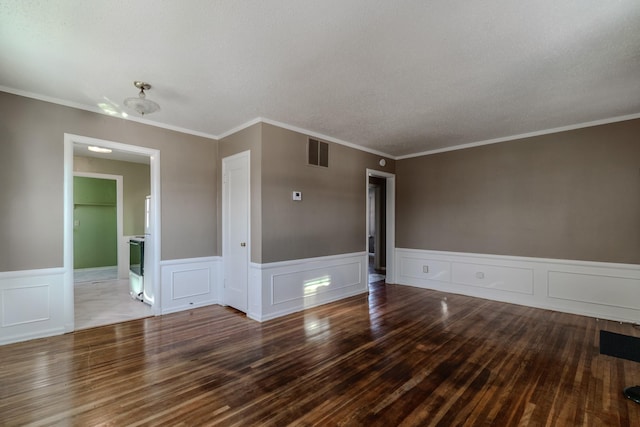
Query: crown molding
point(523, 135)
point(97, 110)
point(326, 138)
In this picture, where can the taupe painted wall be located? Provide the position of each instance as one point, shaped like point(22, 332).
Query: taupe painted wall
point(570, 195)
point(31, 170)
point(136, 183)
point(331, 218)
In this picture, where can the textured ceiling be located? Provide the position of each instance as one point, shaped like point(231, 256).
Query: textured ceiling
point(397, 77)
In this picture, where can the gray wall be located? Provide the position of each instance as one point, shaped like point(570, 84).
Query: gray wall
point(570, 195)
point(31, 170)
point(135, 182)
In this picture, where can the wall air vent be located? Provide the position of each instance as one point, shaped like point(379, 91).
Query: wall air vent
point(318, 153)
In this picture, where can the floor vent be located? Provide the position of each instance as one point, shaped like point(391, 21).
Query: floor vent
point(618, 345)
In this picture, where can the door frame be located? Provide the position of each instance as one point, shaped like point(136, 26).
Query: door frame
point(122, 260)
point(390, 225)
point(225, 221)
point(154, 167)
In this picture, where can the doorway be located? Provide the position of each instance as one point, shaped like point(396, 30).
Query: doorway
point(236, 229)
point(380, 226)
point(377, 230)
point(126, 153)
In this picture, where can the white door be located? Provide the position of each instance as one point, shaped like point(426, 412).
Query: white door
point(235, 217)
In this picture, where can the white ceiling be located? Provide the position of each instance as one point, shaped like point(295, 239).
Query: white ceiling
point(396, 77)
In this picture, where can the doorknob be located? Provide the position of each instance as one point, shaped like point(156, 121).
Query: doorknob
point(243, 244)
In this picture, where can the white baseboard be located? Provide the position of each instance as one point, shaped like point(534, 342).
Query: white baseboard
point(189, 283)
point(280, 288)
point(596, 289)
point(32, 304)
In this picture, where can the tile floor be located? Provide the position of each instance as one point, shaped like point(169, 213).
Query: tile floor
point(99, 301)
point(95, 274)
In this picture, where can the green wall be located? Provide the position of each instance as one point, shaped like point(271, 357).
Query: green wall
point(95, 223)
point(136, 184)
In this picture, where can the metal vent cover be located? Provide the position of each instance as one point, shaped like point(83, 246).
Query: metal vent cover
point(317, 153)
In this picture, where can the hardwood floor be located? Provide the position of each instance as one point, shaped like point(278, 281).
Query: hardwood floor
point(398, 356)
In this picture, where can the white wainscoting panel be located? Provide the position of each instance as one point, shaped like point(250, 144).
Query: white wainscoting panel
point(189, 283)
point(26, 304)
point(494, 277)
point(255, 308)
point(596, 289)
point(280, 288)
point(31, 304)
point(425, 269)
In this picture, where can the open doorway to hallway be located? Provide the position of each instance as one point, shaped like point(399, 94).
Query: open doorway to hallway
point(377, 229)
point(380, 226)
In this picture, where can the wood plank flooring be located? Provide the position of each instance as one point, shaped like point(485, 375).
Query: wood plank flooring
point(400, 356)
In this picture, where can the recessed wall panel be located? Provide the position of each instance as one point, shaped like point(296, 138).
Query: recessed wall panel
point(25, 305)
point(493, 277)
point(422, 268)
point(300, 284)
point(595, 289)
point(189, 283)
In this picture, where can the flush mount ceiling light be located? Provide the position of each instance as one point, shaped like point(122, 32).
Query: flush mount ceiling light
point(98, 149)
point(141, 104)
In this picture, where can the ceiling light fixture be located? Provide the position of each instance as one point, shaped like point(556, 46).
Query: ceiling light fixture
point(141, 104)
point(99, 149)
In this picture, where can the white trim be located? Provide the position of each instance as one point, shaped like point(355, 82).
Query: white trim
point(5, 275)
point(304, 132)
point(304, 261)
point(390, 220)
point(67, 244)
point(240, 127)
point(190, 283)
point(523, 135)
point(40, 311)
point(635, 267)
point(316, 134)
point(595, 289)
point(325, 137)
point(183, 261)
point(121, 256)
point(280, 288)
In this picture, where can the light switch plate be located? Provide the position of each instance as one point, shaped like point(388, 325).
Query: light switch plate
point(297, 196)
